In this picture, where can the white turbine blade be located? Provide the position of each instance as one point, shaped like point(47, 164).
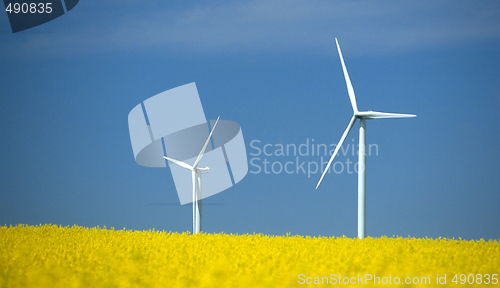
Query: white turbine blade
point(350, 90)
point(180, 163)
point(205, 146)
point(346, 132)
point(375, 115)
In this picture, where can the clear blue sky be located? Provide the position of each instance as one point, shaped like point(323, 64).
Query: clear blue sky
point(67, 87)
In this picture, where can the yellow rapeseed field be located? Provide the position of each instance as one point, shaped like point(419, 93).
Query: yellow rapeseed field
point(52, 256)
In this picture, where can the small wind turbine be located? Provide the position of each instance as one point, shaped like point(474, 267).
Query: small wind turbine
point(362, 116)
point(196, 177)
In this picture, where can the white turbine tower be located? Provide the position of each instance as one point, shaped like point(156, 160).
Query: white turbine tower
point(362, 116)
point(196, 177)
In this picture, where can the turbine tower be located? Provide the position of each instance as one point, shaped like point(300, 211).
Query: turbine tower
point(362, 116)
point(196, 179)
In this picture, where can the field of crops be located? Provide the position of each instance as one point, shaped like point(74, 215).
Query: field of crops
point(52, 256)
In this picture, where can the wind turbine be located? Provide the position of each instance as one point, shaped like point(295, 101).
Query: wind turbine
point(196, 178)
point(362, 116)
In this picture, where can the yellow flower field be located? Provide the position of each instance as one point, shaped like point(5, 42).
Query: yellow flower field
point(52, 256)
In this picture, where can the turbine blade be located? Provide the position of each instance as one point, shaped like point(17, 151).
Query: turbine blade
point(180, 163)
point(346, 132)
point(350, 90)
point(375, 115)
point(205, 146)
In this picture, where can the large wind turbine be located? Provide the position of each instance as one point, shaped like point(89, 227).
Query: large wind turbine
point(196, 178)
point(362, 116)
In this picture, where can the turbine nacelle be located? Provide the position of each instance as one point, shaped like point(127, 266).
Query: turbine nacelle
point(203, 170)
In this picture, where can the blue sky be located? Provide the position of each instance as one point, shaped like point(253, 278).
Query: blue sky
point(67, 87)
